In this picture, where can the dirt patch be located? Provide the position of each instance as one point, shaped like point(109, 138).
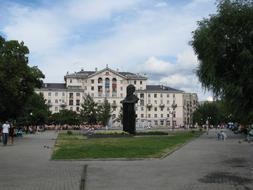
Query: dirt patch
point(225, 178)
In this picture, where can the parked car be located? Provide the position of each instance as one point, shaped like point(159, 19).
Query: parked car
point(250, 136)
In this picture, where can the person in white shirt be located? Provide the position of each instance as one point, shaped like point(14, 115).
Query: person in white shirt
point(5, 132)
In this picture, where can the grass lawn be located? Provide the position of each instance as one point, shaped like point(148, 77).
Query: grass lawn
point(79, 147)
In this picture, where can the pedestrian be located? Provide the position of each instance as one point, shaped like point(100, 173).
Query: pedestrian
point(11, 134)
point(1, 133)
point(5, 131)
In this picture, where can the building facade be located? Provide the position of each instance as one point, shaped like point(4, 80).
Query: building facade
point(158, 105)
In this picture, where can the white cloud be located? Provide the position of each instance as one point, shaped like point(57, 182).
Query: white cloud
point(60, 38)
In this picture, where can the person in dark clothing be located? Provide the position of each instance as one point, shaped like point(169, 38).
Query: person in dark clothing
point(11, 134)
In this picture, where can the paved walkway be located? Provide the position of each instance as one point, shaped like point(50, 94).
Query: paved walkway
point(204, 163)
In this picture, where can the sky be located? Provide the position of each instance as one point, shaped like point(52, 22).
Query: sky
point(142, 36)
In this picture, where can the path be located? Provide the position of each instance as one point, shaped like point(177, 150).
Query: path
point(204, 163)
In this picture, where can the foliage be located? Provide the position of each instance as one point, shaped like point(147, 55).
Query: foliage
point(17, 79)
point(224, 46)
point(63, 117)
point(35, 111)
point(104, 112)
point(89, 110)
point(134, 147)
point(214, 112)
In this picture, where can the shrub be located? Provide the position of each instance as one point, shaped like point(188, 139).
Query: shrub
point(69, 132)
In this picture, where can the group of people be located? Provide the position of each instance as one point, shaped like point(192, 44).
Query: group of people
point(6, 131)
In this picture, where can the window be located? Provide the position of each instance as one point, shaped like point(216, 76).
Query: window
point(114, 108)
point(70, 81)
point(168, 109)
point(149, 115)
point(141, 95)
point(161, 122)
point(149, 108)
point(142, 108)
point(56, 93)
point(168, 95)
point(63, 94)
point(49, 101)
point(161, 95)
point(155, 115)
point(161, 115)
point(142, 115)
point(149, 95)
point(156, 123)
point(49, 93)
point(140, 82)
point(162, 108)
point(78, 94)
point(71, 102)
point(168, 102)
point(71, 108)
point(56, 101)
point(155, 101)
point(168, 115)
point(70, 95)
point(142, 102)
point(100, 80)
point(155, 108)
point(78, 102)
point(77, 109)
point(92, 81)
point(173, 95)
point(121, 88)
point(155, 95)
point(135, 82)
point(92, 88)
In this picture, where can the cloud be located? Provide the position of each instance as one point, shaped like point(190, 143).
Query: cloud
point(132, 35)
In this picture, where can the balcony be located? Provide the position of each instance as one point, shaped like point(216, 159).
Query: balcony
point(114, 105)
point(162, 105)
point(149, 105)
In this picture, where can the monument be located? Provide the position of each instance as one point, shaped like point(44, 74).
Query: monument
point(129, 116)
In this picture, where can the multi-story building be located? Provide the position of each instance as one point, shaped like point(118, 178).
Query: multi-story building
point(158, 105)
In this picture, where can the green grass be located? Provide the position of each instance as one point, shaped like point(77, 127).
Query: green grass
point(79, 147)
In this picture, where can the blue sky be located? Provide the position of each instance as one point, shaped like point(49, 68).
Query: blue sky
point(144, 36)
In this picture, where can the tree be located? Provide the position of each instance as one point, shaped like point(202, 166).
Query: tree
point(89, 110)
point(64, 116)
point(224, 46)
point(104, 112)
point(17, 79)
point(211, 111)
point(35, 111)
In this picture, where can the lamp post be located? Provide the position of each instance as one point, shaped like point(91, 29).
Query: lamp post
point(174, 106)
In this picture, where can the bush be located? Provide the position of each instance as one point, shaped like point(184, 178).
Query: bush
point(69, 132)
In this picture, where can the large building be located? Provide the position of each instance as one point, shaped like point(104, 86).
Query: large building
point(158, 105)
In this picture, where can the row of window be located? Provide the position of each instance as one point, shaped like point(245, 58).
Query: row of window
point(156, 95)
point(156, 115)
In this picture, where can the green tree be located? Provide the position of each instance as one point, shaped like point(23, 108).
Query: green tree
point(17, 79)
point(64, 116)
point(104, 112)
point(208, 111)
point(89, 110)
point(35, 111)
point(224, 46)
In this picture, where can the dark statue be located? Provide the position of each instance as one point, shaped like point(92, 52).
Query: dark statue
point(129, 116)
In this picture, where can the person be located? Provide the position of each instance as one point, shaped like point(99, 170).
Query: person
point(6, 127)
point(11, 134)
point(0, 133)
point(223, 135)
